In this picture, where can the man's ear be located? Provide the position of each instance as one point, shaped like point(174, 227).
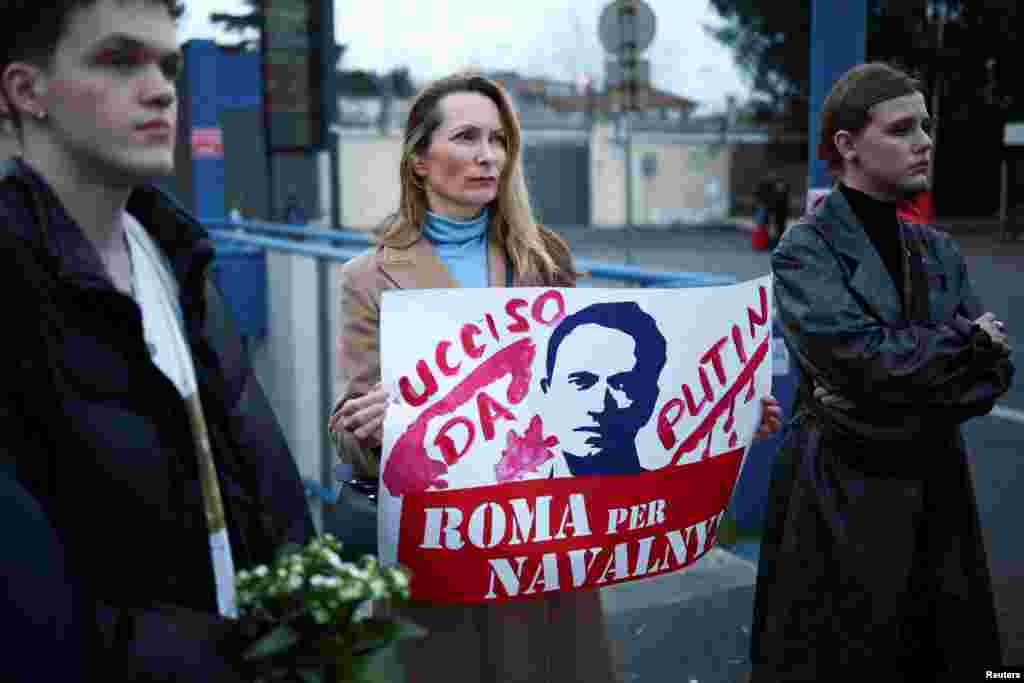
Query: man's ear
point(846, 143)
point(25, 87)
point(544, 384)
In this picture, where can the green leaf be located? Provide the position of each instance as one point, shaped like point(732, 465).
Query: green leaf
point(409, 629)
point(278, 640)
point(286, 550)
point(378, 666)
point(311, 675)
point(373, 633)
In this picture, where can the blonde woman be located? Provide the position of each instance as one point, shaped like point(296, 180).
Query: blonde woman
point(464, 221)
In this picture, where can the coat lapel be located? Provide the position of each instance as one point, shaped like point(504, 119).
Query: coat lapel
point(868, 277)
point(415, 267)
point(419, 267)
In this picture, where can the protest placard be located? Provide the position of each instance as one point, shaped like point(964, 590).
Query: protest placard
point(544, 440)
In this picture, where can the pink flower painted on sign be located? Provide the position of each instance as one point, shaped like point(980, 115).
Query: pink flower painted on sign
point(526, 454)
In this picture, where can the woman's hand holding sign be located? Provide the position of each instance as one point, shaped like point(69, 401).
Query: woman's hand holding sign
point(363, 417)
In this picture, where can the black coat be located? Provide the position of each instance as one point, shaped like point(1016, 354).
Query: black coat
point(872, 561)
point(38, 605)
point(101, 438)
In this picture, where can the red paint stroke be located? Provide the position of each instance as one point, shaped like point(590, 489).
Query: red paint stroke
point(526, 454)
point(441, 358)
point(446, 443)
point(429, 385)
point(727, 402)
point(410, 469)
point(492, 327)
point(758, 319)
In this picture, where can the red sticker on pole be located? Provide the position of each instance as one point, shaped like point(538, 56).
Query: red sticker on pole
point(207, 143)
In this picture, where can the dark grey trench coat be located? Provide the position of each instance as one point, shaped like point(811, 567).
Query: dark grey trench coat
point(872, 560)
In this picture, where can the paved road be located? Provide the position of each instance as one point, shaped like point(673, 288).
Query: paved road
point(705, 636)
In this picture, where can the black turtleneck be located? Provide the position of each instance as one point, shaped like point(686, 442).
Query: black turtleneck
point(883, 229)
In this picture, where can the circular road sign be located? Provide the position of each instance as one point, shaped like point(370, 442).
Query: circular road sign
point(626, 24)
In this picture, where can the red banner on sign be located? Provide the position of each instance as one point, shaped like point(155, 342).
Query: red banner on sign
point(520, 539)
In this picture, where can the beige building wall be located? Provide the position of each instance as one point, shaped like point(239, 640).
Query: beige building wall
point(690, 182)
point(368, 178)
point(607, 174)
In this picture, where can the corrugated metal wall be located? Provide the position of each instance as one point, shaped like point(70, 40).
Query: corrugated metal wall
point(558, 177)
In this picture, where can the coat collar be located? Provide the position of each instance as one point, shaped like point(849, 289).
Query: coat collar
point(418, 266)
point(183, 240)
point(866, 273)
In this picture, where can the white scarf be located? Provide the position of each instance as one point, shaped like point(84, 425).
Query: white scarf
point(156, 291)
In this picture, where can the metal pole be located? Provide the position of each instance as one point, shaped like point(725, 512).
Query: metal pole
point(838, 42)
point(1004, 187)
point(324, 343)
point(627, 124)
point(940, 10)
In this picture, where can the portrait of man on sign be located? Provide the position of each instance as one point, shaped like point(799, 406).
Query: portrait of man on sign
point(607, 397)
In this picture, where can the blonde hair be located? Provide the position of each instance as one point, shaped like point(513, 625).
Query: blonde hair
point(536, 253)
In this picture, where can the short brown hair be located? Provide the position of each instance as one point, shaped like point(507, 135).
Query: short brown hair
point(848, 106)
point(31, 30)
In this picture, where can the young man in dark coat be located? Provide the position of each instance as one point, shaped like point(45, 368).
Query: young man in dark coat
point(130, 411)
point(872, 562)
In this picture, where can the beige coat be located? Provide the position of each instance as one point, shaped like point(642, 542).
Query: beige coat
point(558, 639)
point(363, 279)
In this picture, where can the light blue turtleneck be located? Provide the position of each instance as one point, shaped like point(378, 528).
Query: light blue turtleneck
point(462, 246)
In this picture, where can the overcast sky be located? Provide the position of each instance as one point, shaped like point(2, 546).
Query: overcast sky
point(556, 38)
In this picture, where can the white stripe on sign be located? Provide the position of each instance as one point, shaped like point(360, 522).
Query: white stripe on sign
point(1008, 414)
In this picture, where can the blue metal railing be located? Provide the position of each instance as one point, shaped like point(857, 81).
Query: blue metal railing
point(226, 229)
point(287, 245)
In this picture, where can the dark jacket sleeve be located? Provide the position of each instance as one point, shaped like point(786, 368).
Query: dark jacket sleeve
point(920, 366)
point(54, 616)
point(256, 433)
point(39, 606)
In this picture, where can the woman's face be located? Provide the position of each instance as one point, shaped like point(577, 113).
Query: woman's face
point(462, 166)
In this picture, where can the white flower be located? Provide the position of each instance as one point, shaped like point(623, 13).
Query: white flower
point(398, 578)
point(261, 571)
point(333, 559)
point(378, 589)
point(295, 583)
point(359, 574)
point(350, 592)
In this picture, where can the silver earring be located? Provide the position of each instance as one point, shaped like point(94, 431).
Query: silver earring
point(40, 115)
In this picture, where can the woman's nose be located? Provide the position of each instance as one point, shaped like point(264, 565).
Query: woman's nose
point(487, 154)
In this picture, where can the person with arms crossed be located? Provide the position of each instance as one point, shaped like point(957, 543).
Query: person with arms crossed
point(872, 561)
point(130, 411)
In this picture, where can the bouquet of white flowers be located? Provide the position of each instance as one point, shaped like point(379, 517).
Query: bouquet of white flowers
point(308, 615)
